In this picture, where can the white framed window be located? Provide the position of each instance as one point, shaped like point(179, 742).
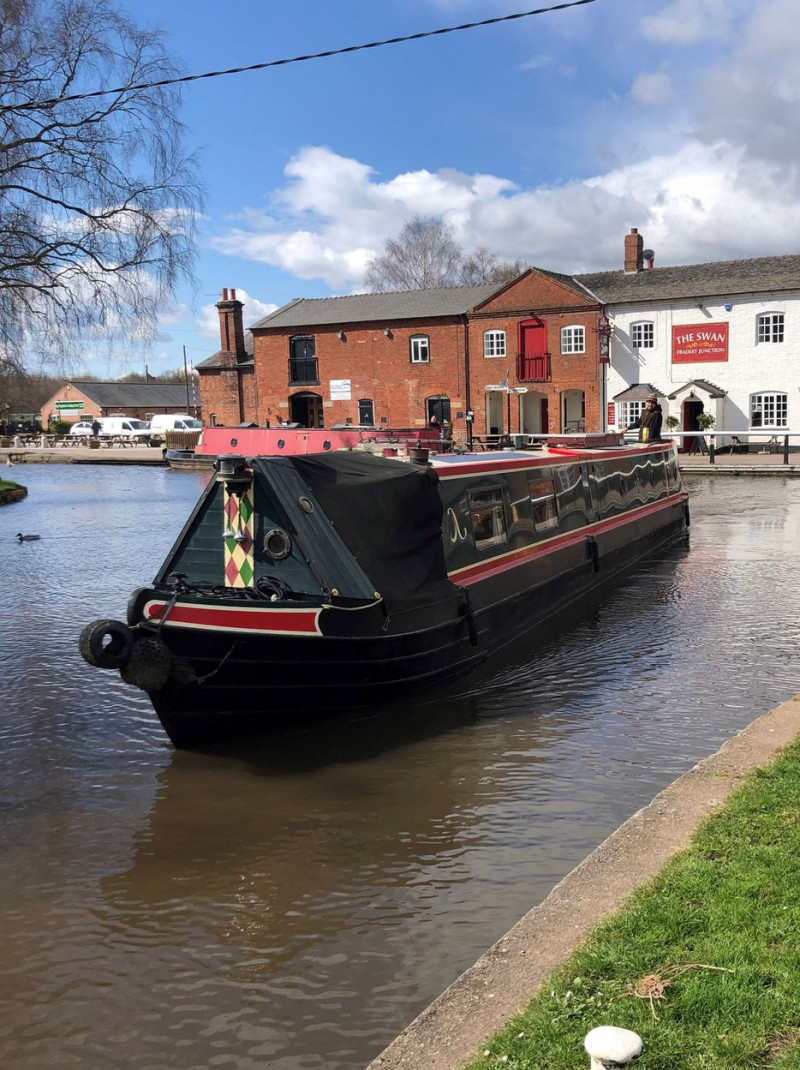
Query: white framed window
point(769, 410)
point(420, 347)
point(628, 411)
point(573, 339)
point(494, 343)
point(643, 335)
point(770, 327)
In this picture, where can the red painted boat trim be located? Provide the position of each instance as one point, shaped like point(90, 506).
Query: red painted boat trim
point(267, 621)
point(502, 563)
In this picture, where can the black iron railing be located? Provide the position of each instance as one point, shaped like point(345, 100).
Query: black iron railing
point(533, 368)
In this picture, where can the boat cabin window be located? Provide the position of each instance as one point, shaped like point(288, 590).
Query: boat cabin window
point(488, 517)
point(543, 504)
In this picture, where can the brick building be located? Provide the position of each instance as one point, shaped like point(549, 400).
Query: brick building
point(76, 401)
point(522, 356)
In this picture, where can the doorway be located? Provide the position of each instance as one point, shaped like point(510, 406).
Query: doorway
point(306, 410)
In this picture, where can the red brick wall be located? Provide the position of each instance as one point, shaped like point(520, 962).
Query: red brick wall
point(536, 296)
point(375, 358)
point(228, 393)
point(378, 366)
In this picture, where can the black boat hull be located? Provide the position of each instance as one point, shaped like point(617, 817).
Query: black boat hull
point(253, 683)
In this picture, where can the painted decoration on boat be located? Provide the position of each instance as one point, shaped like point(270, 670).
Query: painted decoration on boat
point(238, 562)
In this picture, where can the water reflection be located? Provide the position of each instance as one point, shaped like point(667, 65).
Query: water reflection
point(295, 902)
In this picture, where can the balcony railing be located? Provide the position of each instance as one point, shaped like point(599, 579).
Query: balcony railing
point(533, 367)
point(303, 371)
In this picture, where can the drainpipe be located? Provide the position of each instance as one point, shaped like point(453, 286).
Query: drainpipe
point(467, 394)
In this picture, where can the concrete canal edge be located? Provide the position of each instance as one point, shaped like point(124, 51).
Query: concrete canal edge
point(481, 1001)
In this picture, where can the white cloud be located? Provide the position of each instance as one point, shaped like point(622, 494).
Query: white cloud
point(207, 320)
point(655, 88)
point(688, 22)
point(702, 201)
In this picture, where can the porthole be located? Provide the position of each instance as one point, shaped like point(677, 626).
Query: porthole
point(305, 504)
point(277, 544)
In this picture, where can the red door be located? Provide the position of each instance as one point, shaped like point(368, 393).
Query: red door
point(532, 352)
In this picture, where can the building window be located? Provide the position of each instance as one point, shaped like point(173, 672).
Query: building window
point(488, 517)
point(769, 410)
point(573, 340)
point(366, 412)
point(302, 361)
point(770, 327)
point(643, 335)
point(628, 412)
point(494, 343)
point(420, 348)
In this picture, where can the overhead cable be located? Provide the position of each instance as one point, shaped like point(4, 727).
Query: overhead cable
point(299, 59)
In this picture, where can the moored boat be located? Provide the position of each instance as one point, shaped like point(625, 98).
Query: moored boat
point(248, 441)
point(307, 585)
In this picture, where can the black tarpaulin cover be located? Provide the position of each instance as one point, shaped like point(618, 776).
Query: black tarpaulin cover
point(389, 513)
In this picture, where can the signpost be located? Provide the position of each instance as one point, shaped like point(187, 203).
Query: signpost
point(508, 390)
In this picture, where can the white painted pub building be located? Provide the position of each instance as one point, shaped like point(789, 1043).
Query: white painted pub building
point(720, 338)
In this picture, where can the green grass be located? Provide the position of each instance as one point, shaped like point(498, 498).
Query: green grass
point(716, 935)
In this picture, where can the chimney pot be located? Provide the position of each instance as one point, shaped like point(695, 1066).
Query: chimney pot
point(233, 295)
point(225, 294)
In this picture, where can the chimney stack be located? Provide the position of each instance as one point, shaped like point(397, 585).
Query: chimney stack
point(231, 325)
point(634, 245)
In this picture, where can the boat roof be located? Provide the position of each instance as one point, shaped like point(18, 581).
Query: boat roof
point(451, 464)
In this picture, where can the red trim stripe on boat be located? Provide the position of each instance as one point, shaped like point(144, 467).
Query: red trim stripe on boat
point(266, 621)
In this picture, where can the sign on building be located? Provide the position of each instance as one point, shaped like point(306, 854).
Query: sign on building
point(340, 390)
point(699, 343)
point(69, 406)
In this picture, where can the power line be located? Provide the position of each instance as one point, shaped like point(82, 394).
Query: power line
point(301, 59)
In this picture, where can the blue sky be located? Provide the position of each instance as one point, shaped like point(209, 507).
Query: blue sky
point(546, 139)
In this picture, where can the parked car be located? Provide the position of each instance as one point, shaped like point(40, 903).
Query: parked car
point(82, 428)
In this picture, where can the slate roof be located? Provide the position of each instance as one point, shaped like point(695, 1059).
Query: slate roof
point(379, 307)
point(637, 392)
point(723, 278)
point(214, 360)
point(134, 395)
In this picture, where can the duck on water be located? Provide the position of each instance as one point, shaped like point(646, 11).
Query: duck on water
point(306, 586)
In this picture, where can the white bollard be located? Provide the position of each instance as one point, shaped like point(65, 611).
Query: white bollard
point(609, 1046)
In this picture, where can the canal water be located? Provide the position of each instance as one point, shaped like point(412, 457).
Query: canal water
point(294, 904)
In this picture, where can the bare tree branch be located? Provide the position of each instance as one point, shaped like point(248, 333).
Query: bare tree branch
point(97, 197)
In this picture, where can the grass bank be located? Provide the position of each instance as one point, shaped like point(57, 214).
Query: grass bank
point(703, 962)
point(11, 492)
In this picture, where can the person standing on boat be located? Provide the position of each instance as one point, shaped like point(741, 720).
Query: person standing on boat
point(649, 421)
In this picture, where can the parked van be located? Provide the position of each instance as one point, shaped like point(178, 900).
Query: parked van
point(124, 427)
point(174, 422)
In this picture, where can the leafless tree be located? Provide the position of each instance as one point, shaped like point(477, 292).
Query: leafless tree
point(484, 266)
point(424, 256)
point(97, 195)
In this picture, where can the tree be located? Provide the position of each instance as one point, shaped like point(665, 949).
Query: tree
point(424, 256)
point(97, 197)
point(483, 266)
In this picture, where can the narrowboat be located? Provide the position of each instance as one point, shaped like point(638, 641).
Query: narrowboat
point(304, 586)
point(248, 440)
